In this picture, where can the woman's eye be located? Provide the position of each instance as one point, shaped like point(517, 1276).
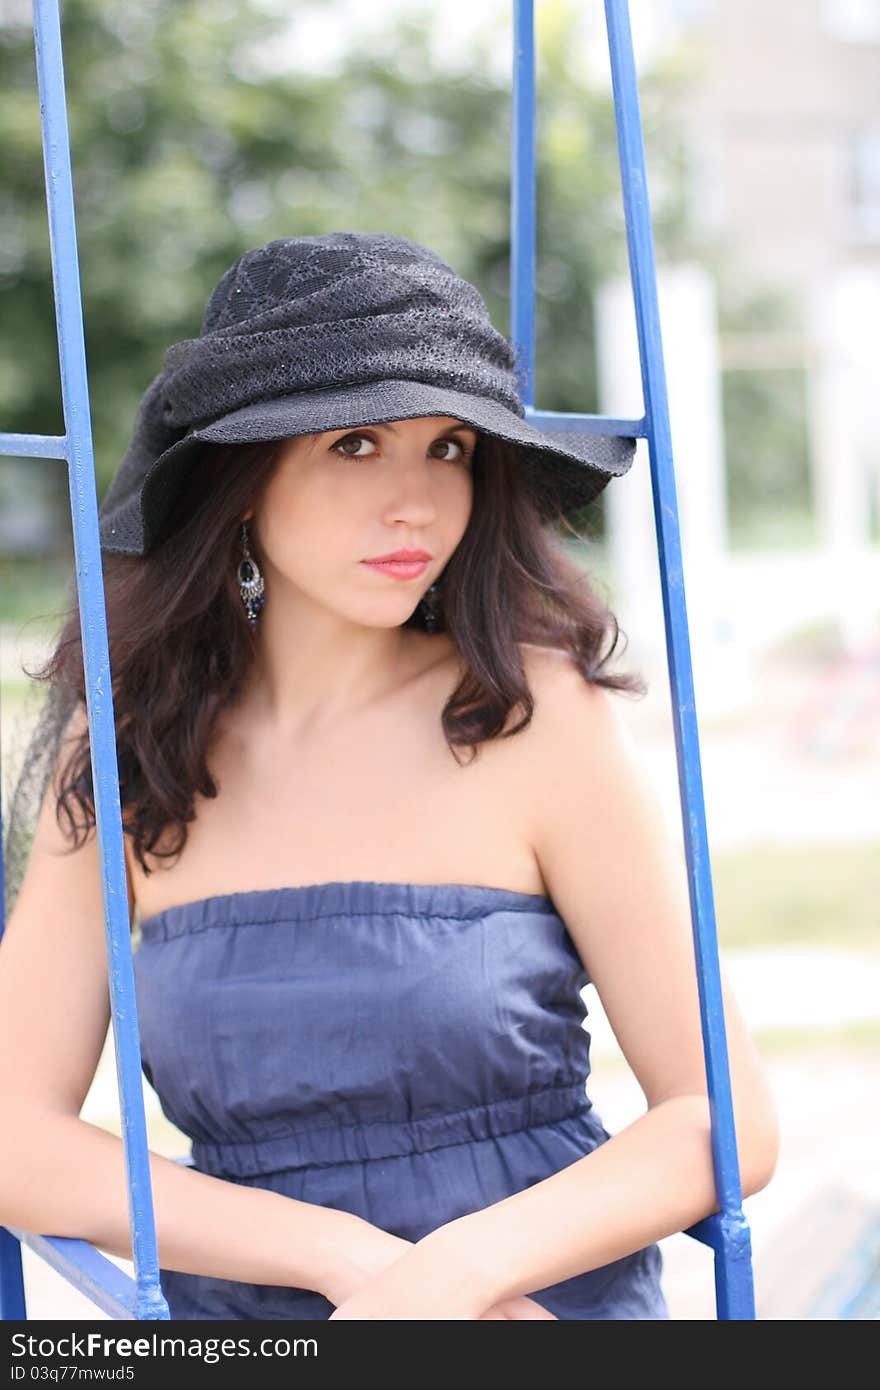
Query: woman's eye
point(351, 439)
point(355, 440)
point(462, 454)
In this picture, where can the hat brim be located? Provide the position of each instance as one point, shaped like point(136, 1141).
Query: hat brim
point(565, 469)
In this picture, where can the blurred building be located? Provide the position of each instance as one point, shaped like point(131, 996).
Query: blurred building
point(784, 123)
point(780, 109)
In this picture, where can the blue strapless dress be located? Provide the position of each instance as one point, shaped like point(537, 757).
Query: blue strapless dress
point(405, 1052)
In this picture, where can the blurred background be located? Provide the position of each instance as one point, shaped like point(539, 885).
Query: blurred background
point(199, 130)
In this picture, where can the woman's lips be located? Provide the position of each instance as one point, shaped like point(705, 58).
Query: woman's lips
point(398, 569)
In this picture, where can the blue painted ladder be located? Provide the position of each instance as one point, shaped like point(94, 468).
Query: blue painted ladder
point(727, 1231)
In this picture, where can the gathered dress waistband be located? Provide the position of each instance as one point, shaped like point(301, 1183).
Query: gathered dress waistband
point(332, 1144)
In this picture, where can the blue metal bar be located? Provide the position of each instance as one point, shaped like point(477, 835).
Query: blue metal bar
point(586, 424)
point(12, 1295)
point(87, 1269)
point(149, 1301)
point(728, 1231)
point(522, 200)
point(12, 1298)
point(49, 446)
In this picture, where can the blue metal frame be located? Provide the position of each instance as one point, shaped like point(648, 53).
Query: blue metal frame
point(726, 1231)
point(143, 1297)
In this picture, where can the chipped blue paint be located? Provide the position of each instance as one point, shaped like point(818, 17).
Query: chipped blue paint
point(726, 1231)
point(97, 1276)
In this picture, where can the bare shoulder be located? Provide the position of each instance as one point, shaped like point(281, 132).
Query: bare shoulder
point(579, 755)
point(613, 862)
point(568, 717)
point(566, 704)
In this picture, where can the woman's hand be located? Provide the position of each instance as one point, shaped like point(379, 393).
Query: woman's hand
point(393, 1279)
point(363, 1284)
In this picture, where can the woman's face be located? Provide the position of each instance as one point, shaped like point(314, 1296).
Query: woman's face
point(341, 498)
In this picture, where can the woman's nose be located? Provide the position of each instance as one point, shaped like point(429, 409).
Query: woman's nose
point(413, 487)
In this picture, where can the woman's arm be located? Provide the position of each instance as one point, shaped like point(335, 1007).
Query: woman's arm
point(652, 1179)
point(620, 883)
point(619, 880)
point(60, 1175)
point(63, 1176)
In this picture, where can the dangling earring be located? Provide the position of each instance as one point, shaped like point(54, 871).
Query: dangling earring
point(430, 608)
point(250, 580)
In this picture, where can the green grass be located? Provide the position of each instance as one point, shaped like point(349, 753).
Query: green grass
point(32, 587)
point(13, 695)
point(860, 1039)
point(849, 1043)
point(799, 895)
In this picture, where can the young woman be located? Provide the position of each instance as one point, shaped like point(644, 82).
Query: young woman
point(383, 823)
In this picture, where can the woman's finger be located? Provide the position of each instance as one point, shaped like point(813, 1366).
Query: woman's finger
point(526, 1309)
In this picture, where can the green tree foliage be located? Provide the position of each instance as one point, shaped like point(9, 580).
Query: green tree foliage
point(189, 147)
point(766, 421)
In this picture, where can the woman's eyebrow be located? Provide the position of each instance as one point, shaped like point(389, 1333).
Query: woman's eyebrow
point(385, 425)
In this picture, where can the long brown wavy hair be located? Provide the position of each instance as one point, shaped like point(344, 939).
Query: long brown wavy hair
point(181, 646)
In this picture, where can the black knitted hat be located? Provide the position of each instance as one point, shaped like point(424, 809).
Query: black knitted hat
point(315, 333)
